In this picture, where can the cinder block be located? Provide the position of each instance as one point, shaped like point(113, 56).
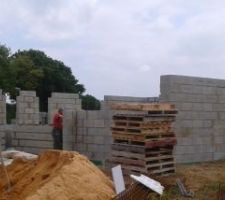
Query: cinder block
point(28, 93)
point(65, 95)
point(29, 99)
point(36, 144)
point(96, 131)
point(198, 123)
point(34, 136)
point(95, 148)
point(81, 114)
point(94, 115)
point(219, 139)
point(219, 156)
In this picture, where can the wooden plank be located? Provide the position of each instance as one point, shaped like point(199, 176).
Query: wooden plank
point(127, 161)
point(160, 158)
point(142, 106)
point(159, 165)
point(162, 170)
point(145, 132)
point(128, 154)
point(160, 143)
point(129, 148)
point(134, 168)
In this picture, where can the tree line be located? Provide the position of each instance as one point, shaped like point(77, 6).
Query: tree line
point(34, 70)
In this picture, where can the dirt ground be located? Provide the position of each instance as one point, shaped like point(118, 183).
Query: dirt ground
point(206, 180)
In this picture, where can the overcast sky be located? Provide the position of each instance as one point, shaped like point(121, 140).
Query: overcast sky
point(121, 47)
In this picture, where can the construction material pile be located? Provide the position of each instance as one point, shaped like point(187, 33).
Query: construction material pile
point(56, 175)
point(143, 141)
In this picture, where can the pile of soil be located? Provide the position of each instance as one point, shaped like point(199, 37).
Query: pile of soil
point(56, 175)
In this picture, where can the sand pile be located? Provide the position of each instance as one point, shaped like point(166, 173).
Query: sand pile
point(56, 175)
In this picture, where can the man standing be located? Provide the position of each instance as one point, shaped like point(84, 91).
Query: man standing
point(57, 129)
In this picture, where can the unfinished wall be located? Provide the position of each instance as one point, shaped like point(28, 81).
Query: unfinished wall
point(67, 101)
point(200, 124)
point(32, 139)
point(27, 108)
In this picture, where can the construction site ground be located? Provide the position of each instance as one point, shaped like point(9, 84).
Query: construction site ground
point(206, 180)
point(64, 175)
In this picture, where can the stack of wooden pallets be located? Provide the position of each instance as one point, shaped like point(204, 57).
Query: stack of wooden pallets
point(143, 142)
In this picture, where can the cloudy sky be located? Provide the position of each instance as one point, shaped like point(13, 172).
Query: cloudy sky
point(121, 47)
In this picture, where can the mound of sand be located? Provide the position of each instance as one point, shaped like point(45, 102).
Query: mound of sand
point(56, 175)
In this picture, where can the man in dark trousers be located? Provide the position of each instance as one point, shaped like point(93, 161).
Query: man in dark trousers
point(57, 129)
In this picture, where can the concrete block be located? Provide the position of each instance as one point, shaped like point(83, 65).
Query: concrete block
point(81, 147)
point(98, 123)
point(219, 147)
point(95, 114)
point(36, 144)
point(198, 123)
point(219, 156)
point(65, 95)
point(96, 131)
point(219, 107)
point(95, 148)
point(81, 114)
point(29, 99)
point(209, 90)
point(185, 141)
point(28, 93)
point(186, 106)
point(81, 131)
point(34, 136)
point(219, 139)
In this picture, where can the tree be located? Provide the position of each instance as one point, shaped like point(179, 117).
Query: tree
point(89, 102)
point(5, 73)
point(46, 74)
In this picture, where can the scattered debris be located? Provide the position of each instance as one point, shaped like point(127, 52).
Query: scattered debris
point(118, 179)
point(150, 183)
point(183, 190)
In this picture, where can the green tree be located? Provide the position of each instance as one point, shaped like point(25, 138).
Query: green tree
point(47, 75)
point(89, 102)
point(5, 73)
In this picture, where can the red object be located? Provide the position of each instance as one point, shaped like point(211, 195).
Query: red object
point(57, 121)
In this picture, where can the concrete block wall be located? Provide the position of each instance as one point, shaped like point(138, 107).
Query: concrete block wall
point(32, 139)
point(89, 134)
point(200, 123)
point(2, 108)
point(27, 108)
point(67, 101)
